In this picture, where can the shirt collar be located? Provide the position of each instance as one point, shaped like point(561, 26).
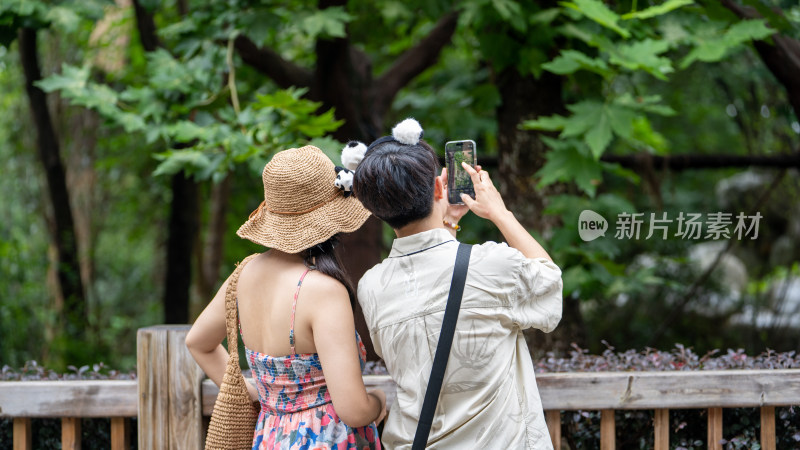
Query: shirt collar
point(420, 242)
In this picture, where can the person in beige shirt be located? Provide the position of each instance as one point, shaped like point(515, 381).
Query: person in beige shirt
point(489, 397)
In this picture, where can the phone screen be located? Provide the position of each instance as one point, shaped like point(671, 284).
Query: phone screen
point(458, 180)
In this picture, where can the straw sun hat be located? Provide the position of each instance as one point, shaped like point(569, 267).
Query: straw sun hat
point(302, 204)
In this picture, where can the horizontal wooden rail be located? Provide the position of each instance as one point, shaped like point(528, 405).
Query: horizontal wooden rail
point(84, 398)
point(638, 390)
point(670, 390)
point(559, 391)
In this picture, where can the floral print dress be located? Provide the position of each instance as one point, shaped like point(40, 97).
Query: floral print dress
point(296, 408)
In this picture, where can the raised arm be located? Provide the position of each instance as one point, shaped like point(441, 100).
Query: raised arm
point(488, 204)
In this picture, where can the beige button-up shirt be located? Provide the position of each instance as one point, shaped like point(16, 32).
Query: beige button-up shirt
point(489, 397)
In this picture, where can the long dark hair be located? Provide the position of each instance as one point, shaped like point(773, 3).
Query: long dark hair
point(325, 258)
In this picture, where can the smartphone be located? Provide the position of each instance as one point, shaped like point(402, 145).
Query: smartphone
point(458, 180)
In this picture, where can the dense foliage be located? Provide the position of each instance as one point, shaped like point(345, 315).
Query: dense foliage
point(133, 111)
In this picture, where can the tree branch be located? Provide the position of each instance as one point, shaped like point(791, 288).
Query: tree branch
point(414, 61)
point(146, 27)
point(678, 163)
point(267, 61)
point(718, 161)
point(782, 58)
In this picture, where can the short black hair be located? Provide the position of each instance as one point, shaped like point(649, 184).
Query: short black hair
point(395, 181)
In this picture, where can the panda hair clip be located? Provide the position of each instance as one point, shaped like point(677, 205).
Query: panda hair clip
point(344, 180)
point(407, 132)
point(352, 154)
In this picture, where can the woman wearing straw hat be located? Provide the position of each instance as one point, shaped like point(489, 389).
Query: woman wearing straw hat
point(301, 344)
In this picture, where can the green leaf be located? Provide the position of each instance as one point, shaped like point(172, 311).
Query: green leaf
point(647, 103)
point(596, 123)
point(644, 133)
point(168, 73)
point(584, 117)
point(777, 18)
point(717, 47)
point(545, 123)
point(747, 30)
point(567, 164)
point(570, 61)
point(544, 17)
point(328, 22)
point(185, 131)
point(620, 171)
point(64, 18)
point(315, 126)
point(175, 161)
point(643, 55)
point(71, 79)
point(511, 12)
point(620, 120)
point(599, 136)
point(591, 38)
point(598, 12)
point(284, 99)
point(657, 10)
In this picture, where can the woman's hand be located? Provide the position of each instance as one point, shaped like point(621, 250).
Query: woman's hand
point(251, 389)
point(381, 396)
point(488, 203)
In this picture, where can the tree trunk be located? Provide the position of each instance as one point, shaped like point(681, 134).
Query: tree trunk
point(184, 217)
point(210, 252)
point(521, 155)
point(73, 313)
point(182, 231)
point(343, 80)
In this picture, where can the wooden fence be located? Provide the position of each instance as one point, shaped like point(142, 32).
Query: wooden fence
point(172, 401)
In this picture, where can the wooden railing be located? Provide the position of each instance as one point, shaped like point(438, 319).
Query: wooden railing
point(172, 401)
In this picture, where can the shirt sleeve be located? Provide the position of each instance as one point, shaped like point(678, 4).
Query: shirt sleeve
point(366, 300)
point(537, 299)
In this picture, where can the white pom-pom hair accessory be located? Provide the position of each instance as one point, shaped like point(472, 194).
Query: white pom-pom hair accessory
point(407, 132)
point(352, 154)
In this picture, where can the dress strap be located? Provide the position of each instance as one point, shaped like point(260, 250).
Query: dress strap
point(294, 307)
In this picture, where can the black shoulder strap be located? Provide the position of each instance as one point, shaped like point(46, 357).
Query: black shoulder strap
point(443, 347)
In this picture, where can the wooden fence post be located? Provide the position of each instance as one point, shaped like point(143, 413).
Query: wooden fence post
point(608, 430)
point(71, 433)
point(119, 433)
point(768, 428)
point(714, 428)
point(170, 402)
point(553, 420)
point(22, 433)
point(661, 429)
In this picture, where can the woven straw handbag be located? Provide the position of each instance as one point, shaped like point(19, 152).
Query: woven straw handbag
point(233, 420)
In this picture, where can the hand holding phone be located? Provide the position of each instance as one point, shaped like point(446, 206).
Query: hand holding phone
point(458, 180)
point(488, 203)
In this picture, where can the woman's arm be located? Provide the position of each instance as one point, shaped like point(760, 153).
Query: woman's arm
point(335, 339)
point(205, 337)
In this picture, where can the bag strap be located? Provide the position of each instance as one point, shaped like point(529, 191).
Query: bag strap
point(232, 312)
point(443, 347)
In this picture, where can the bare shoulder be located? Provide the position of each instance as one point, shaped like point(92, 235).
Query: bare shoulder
point(324, 291)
